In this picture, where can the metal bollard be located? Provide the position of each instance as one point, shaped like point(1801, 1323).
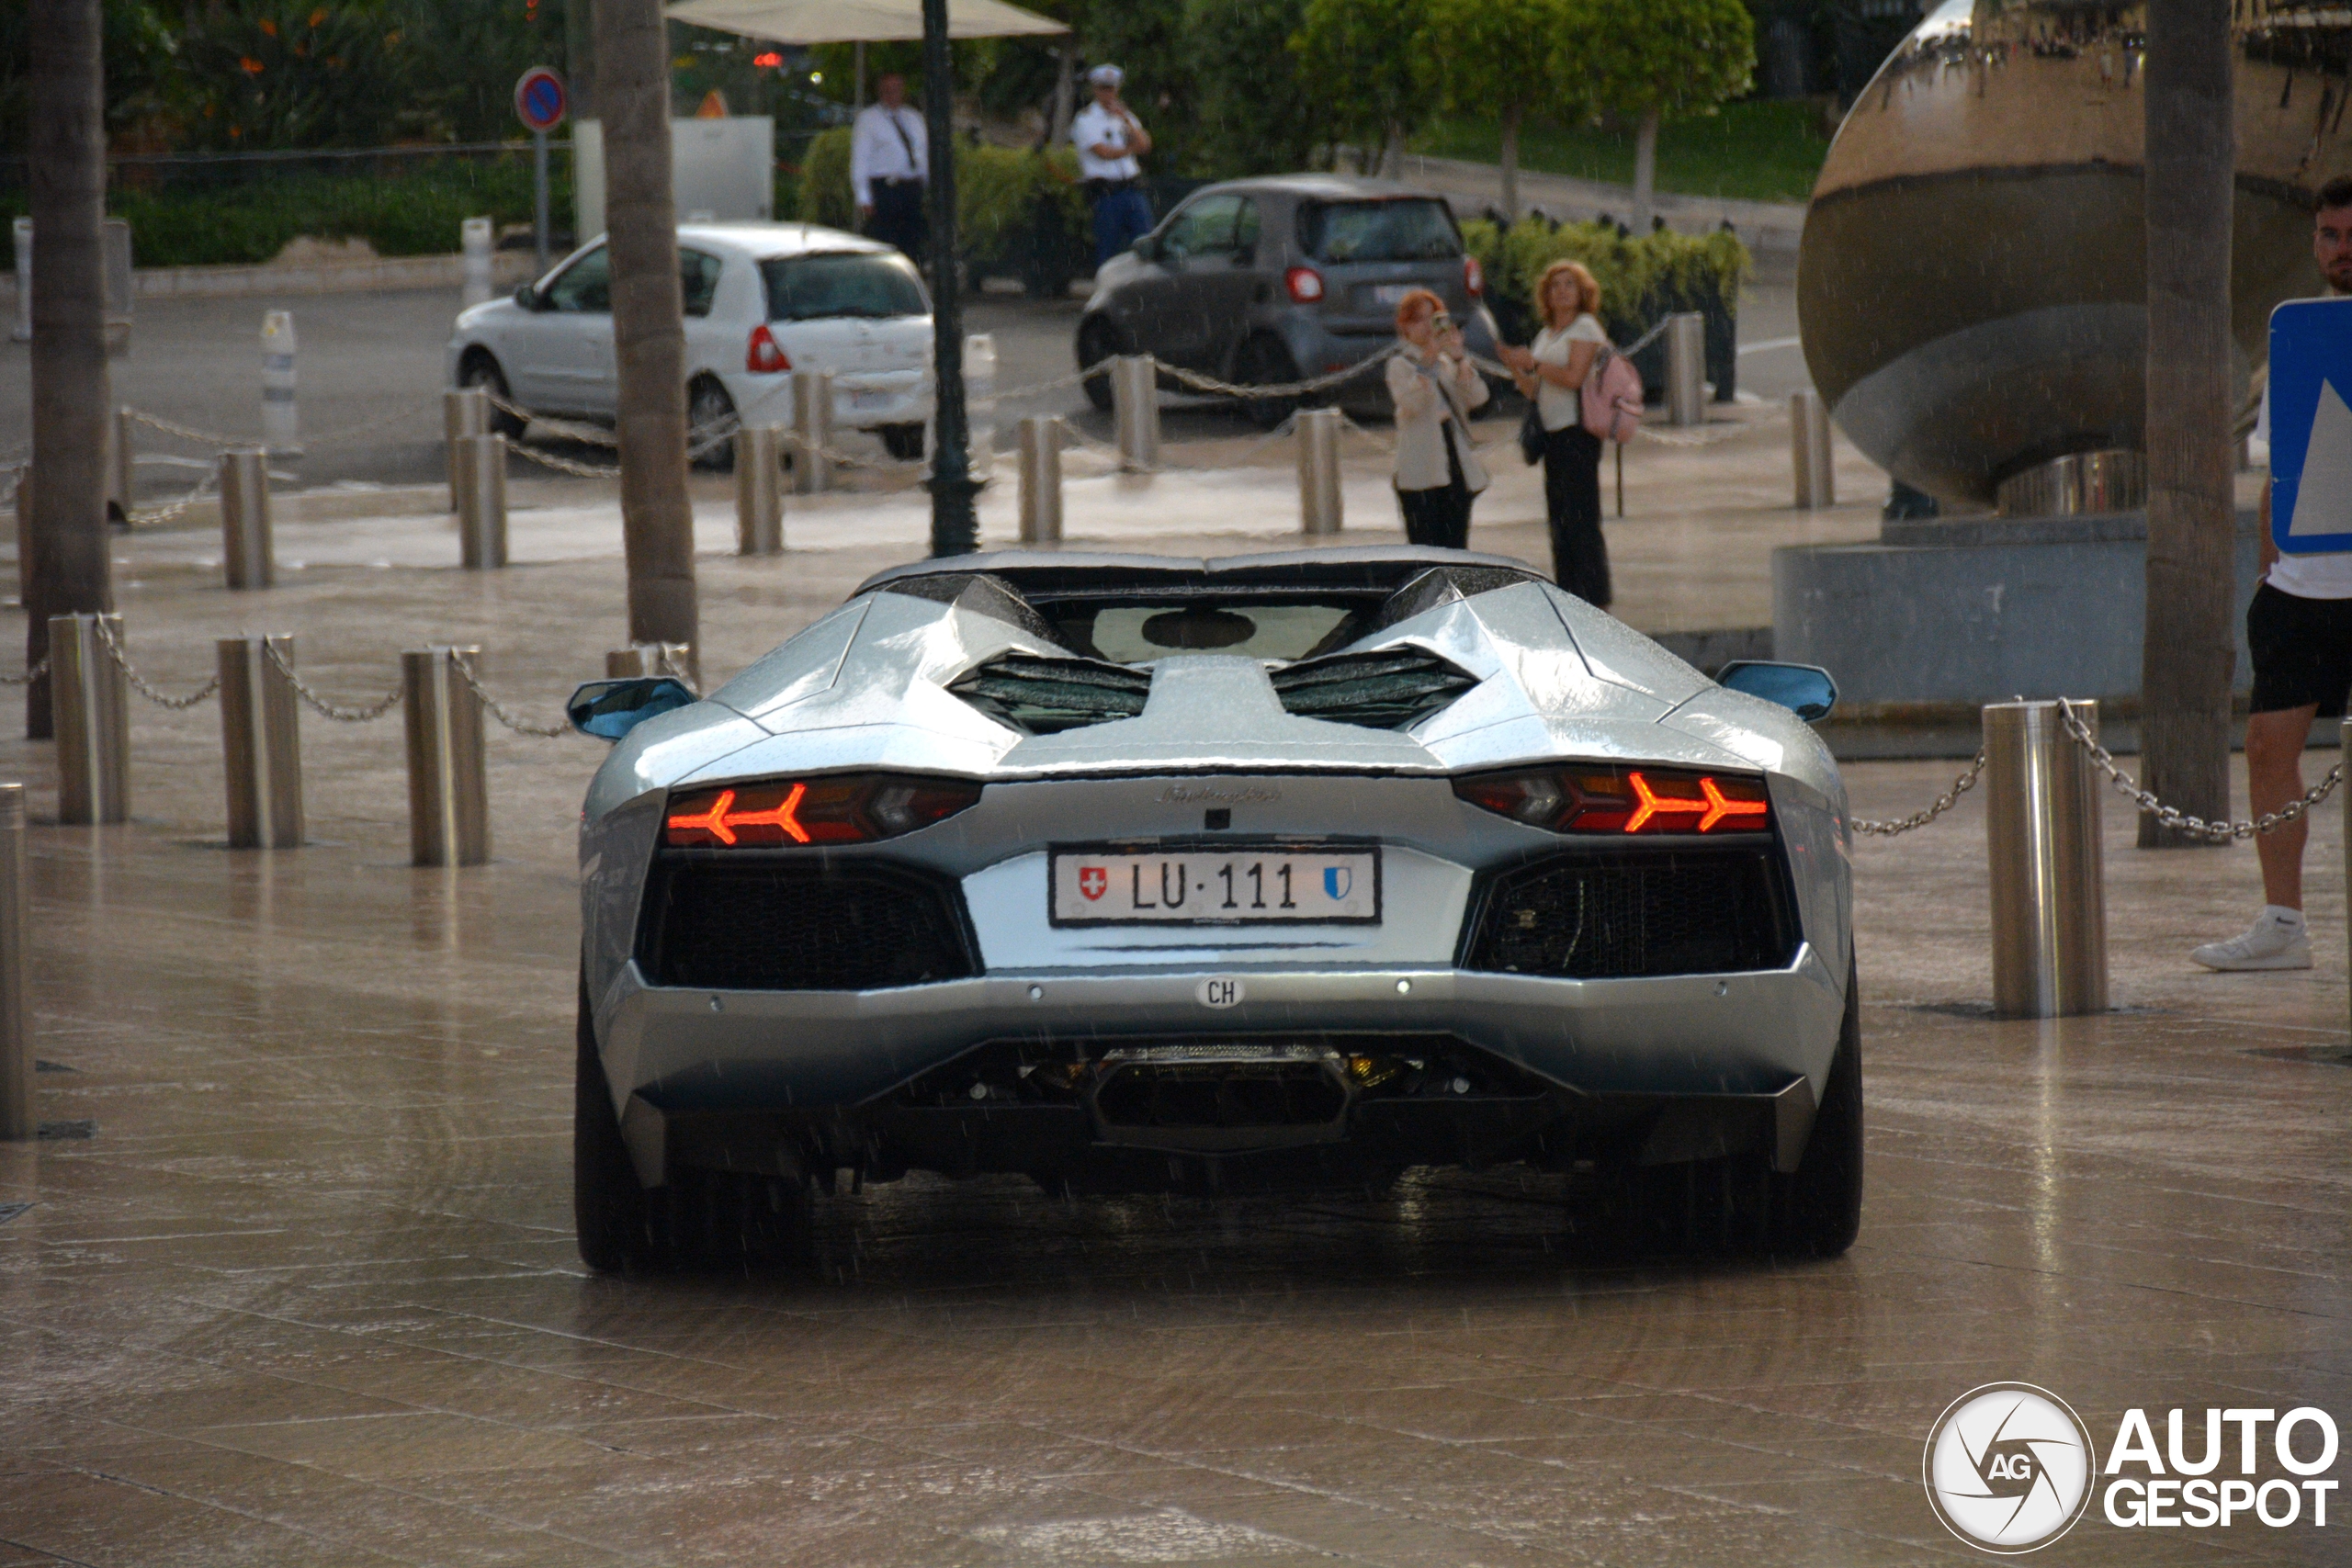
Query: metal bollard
point(19, 1107)
point(247, 556)
point(448, 785)
point(979, 403)
point(1135, 405)
point(121, 459)
point(1686, 369)
point(482, 502)
point(281, 419)
point(759, 490)
point(1809, 453)
point(465, 411)
point(1319, 507)
point(1041, 479)
point(90, 698)
point(812, 431)
point(261, 741)
point(2042, 842)
point(642, 659)
point(474, 238)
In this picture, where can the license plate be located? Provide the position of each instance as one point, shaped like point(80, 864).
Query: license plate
point(1243, 886)
point(871, 400)
point(1391, 293)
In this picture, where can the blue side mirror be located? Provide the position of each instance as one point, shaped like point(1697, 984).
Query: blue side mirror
point(1805, 690)
point(610, 709)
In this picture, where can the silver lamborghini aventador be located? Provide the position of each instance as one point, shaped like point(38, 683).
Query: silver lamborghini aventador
point(1130, 872)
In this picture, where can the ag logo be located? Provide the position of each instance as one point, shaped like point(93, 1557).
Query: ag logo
point(2008, 1468)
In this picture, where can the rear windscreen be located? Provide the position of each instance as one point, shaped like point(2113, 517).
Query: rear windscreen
point(1402, 230)
point(1137, 631)
point(862, 284)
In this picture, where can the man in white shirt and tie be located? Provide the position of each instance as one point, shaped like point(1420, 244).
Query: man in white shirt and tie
point(1110, 140)
point(889, 162)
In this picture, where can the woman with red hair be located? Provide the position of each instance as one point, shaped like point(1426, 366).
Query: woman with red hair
point(1434, 388)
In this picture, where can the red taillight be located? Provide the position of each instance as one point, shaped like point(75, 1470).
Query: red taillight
point(1608, 799)
point(1474, 277)
point(1305, 284)
point(854, 808)
point(764, 355)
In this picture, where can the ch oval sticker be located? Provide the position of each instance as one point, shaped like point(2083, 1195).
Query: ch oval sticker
point(1218, 993)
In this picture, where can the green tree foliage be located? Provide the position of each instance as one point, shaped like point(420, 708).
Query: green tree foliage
point(1362, 61)
point(999, 191)
point(1502, 58)
point(1644, 60)
point(1255, 114)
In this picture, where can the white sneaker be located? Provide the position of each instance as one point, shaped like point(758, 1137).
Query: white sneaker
point(2277, 940)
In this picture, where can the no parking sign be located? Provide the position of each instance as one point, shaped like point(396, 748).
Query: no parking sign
point(540, 100)
point(2310, 426)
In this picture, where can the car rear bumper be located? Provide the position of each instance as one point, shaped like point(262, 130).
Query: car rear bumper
point(861, 401)
point(1692, 1035)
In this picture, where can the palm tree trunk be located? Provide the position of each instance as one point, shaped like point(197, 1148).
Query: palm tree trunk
point(649, 321)
point(1065, 94)
point(2188, 651)
point(1510, 163)
point(1645, 172)
point(66, 563)
point(954, 521)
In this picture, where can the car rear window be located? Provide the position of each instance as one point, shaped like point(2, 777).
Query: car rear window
point(1138, 631)
point(1399, 229)
point(806, 288)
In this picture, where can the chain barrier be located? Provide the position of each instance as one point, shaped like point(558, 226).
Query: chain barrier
point(211, 438)
point(1211, 386)
point(32, 673)
point(1944, 803)
point(1379, 441)
point(2176, 819)
point(563, 464)
point(465, 668)
point(139, 682)
point(166, 514)
point(364, 714)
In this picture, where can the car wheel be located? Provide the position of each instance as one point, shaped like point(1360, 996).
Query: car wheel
point(710, 426)
point(480, 371)
point(1264, 361)
point(696, 1219)
point(903, 442)
point(1817, 1211)
point(1097, 340)
point(608, 1208)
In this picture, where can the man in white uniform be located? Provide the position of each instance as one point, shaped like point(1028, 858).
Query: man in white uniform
point(1110, 141)
point(2299, 629)
point(889, 162)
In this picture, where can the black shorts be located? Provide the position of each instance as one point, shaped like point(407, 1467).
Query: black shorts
point(2302, 651)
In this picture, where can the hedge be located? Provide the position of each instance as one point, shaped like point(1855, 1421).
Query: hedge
point(1642, 276)
point(1005, 197)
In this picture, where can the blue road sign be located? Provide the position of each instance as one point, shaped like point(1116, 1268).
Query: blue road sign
point(2310, 426)
point(540, 100)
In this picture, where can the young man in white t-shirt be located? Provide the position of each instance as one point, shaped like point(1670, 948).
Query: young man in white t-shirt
point(2299, 629)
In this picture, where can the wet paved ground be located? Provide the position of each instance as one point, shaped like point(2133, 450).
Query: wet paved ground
point(306, 1294)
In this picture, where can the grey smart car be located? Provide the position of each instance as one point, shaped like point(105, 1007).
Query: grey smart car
point(1283, 279)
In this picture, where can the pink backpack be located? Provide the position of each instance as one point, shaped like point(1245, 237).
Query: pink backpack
point(1612, 397)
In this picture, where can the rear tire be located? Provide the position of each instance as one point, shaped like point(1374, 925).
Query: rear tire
point(608, 1208)
point(710, 416)
point(903, 442)
point(1097, 340)
point(1817, 1211)
point(1265, 361)
point(480, 369)
point(696, 1219)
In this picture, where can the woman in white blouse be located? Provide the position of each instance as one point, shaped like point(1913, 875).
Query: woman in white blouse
point(1552, 371)
point(1434, 388)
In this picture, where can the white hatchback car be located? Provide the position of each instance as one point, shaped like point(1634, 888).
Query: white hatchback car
point(762, 299)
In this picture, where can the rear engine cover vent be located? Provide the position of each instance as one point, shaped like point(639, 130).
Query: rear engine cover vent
point(800, 927)
point(1392, 689)
point(1044, 696)
point(1680, 912)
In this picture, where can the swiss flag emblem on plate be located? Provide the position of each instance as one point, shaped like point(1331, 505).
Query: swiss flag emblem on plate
point(1092, 880)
